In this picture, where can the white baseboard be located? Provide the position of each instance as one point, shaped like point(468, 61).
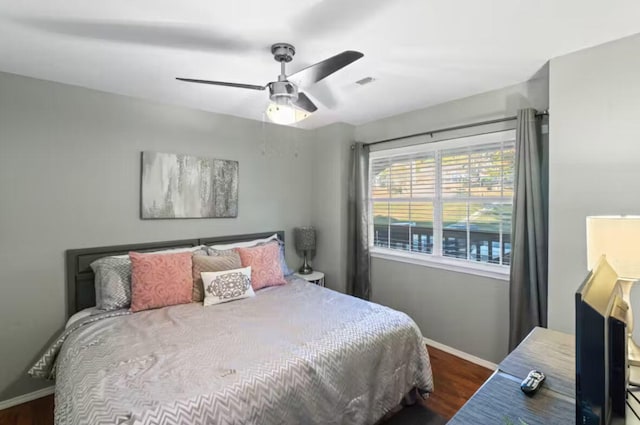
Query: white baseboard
point(461, 354)
point(24, 398)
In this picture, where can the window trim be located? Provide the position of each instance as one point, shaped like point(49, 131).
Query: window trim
point(435, 259)
point(494, 271)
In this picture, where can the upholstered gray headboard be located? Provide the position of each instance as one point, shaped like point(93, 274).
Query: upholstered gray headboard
point(80, 280)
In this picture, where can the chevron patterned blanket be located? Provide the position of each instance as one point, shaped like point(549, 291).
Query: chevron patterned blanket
point(293, 354)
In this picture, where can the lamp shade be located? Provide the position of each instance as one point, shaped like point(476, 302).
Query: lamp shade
point(305, 238)
point(618, 238)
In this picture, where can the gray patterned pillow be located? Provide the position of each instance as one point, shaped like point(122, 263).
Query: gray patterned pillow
point(113, 282)
point(205, 263)
point(220, 287)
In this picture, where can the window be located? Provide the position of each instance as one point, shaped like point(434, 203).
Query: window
point(445, 201)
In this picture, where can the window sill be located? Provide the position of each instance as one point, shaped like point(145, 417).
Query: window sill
point(460, 266)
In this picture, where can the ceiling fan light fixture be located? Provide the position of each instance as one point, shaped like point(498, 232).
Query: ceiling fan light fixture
point(285, 113)
point(288, 104)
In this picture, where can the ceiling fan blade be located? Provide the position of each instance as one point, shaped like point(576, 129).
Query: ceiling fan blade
point(314, 73)
point(223, 83)
point(161, 34)
point(305, 103)
point(323, 94)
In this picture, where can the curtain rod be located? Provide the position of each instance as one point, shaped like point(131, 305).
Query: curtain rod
point(457, 127)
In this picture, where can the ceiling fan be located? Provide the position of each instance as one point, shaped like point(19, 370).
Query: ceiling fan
point(288, 104)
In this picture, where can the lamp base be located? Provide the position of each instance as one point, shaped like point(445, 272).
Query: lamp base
point(306, 267)
point(305, 270)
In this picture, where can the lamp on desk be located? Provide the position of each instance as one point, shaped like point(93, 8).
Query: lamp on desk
point(618, 238)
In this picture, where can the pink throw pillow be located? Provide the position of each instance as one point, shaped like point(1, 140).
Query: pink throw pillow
point(159, 280)
point(265, 265)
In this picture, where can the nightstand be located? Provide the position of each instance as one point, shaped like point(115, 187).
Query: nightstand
point(314, 277)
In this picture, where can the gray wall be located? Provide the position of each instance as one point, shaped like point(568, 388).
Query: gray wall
point(594, 155)
point(330, 175)
point(464, 311)
point(70, 176)
point(494, 104)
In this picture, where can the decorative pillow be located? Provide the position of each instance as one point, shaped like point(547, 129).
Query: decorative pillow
point(228, 249)
point(265, 265)
point(159, 280)
point(283, 262)
point(112, 282)
point(203, 263)
point(113, 277)
point(229, 285)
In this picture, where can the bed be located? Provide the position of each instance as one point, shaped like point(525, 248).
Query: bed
point(293, 354)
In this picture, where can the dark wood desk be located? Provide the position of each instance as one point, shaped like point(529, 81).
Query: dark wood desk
point(552, 352)
point(500, 400)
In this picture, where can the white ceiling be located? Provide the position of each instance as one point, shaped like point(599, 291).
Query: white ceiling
point(420, 52)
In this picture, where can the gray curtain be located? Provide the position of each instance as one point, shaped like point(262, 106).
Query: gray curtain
point(528, 279)
point(358, 263)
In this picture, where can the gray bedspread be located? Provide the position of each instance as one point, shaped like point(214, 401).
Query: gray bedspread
point(293, 354)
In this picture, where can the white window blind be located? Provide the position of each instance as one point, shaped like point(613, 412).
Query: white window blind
point(452, 199)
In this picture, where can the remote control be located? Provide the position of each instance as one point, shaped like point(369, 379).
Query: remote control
point(532, 382)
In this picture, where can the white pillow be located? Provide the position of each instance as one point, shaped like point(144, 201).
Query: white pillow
point(246, 244)
point(228, 285)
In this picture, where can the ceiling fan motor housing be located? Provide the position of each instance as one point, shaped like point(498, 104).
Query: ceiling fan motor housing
point(283, 91)
point(283, 52)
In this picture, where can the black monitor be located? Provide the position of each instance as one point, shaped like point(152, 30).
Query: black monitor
point(601, 346)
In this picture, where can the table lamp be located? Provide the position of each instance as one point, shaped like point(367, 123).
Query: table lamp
point(617, 238)
point(305, 238)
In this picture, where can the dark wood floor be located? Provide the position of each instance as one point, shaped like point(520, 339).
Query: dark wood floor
point(37, 412)
point(454, 382)
point(454, 379)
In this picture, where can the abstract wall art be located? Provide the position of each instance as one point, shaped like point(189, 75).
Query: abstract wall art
point(185, 186)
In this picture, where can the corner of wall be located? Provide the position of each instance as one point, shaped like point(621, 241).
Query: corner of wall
point(330, 171)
